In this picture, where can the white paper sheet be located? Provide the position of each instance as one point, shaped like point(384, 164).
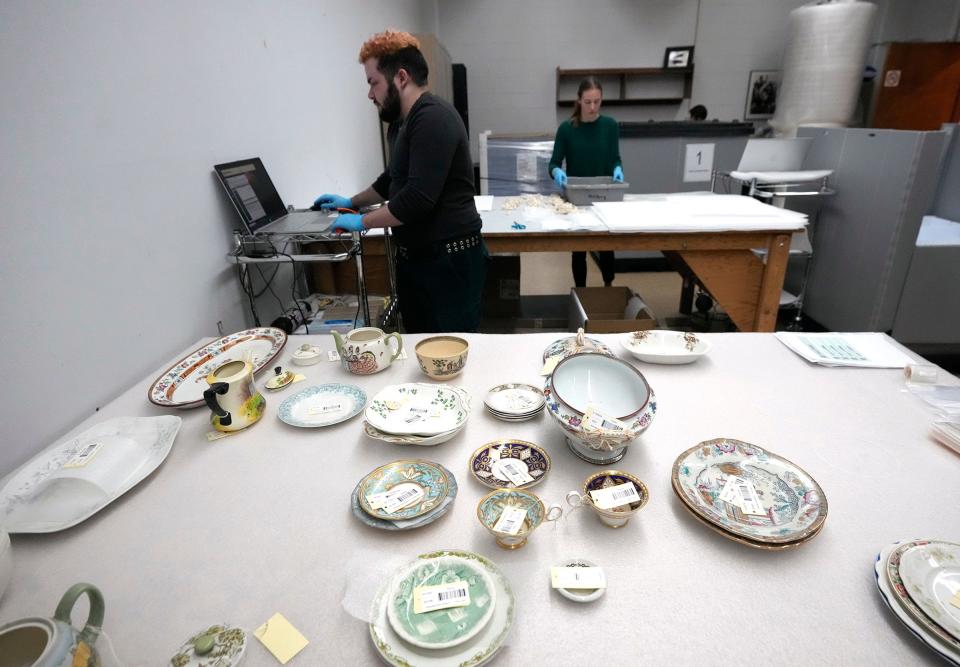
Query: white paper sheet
point(861, 350)
point(483, 202)
point(703, 213)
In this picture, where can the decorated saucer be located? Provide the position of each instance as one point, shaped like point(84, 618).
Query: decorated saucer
point(413, 476)
point(218, 645)
point(409, 524)
point(581, 594)
point(322, 405)
point(528, 458)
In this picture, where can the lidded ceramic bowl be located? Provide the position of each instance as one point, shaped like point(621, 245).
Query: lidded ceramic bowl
point(584, 385)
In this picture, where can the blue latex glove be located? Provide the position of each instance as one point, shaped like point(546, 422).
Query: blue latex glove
point(332, 201)
point(559, 177)
point(618, 174)
point(349, 222)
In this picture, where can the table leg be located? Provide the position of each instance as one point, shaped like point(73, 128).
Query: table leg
point(774, 271)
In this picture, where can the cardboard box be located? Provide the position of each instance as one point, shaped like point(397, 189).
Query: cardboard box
point(501, 292)
point(605, 310)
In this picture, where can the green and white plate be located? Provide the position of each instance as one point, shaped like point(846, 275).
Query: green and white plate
point(441, 628)
point(217, 646)
point(477, 650)
point(417, 408)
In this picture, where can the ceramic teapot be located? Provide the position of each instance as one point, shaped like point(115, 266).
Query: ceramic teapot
point(232, 397)
point(53, 642)
point(367, 350)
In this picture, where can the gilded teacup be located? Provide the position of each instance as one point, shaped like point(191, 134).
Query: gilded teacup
point(614, 516)
point(526, 510)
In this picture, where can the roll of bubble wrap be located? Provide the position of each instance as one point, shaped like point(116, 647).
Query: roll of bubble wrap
point(823, 64)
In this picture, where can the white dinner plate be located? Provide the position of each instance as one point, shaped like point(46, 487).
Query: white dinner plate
point(514, 399)
point(322, 405)
point(931, 575)
point(73, 480)
point(182, 385)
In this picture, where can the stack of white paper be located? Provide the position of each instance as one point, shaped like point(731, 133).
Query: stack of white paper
point(702, 213)
point(863, 350)
point(947, 433)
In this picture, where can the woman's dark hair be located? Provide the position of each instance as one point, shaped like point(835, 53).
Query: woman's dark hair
point(408, 58)
point(589, 83)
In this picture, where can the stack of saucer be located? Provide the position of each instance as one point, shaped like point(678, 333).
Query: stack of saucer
point(409, 627)
point(514, 402)
point(417, 413)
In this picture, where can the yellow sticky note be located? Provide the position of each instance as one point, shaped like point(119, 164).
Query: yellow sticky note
point(280, 638)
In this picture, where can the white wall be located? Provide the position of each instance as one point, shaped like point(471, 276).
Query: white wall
point(917, 20)
point(114, 229)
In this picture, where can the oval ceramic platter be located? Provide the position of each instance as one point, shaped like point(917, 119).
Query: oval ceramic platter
point(441, 628)
point(322, 405)
point(477, 650)
point(792, 504)
point(924, 577)
point(409, 524)
point(182, 385)
point(408, 475)
point(71, 481)
point(665, 347)
point(486, 466)
point(893, 596)
point(420, 440)
point(417, 409)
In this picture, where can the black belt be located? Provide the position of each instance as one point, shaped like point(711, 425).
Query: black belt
point(440, 248)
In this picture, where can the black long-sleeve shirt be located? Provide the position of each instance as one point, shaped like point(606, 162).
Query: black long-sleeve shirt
point(429, 183)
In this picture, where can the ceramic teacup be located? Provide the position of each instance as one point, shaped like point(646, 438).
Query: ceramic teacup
point(442, 357)
point(495, 503)
point(614, 517)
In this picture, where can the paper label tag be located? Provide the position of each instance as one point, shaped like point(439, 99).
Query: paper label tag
point(442, 596)
point(400, 496)
point(514, 470)
point(416, 414)
point(955, 601)
point(280, 638)
point(84, 456)
point(549, 365)
point(333, 355)
point(577, 577)
point(593, 420)
point(518, 400)
point(325, 406)
point(511, 521)
point(615, 496)
point(741, 492)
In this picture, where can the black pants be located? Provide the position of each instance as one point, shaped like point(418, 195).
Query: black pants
point(442, 293)
point(578, 262)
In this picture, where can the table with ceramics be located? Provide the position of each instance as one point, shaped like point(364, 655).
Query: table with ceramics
point(226, 532)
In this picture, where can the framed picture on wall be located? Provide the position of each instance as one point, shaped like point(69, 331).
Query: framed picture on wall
point(678, 57)
point(762, 90)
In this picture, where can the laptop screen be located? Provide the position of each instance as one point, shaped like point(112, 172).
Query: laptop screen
point(252, 192)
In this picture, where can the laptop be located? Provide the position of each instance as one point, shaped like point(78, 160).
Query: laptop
point(774, 154)
point(259, 205)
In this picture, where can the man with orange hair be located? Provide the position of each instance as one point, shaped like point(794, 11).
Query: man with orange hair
point(428, 187)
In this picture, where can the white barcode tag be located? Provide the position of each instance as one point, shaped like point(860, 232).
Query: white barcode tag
point(416, 414)
point(511, 521)
point(577, 577)
point(749, 499)
point(615, 496)
point(400, 496)
point(333, 355)
point(593, 420)
point(514, 470)
point(517, 400)
point(729, 493)
point(441, 596)
point(84, 456)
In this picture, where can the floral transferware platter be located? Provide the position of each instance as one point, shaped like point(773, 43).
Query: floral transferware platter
point(417, 409)
point(322, 405)
point(441, 628)
point(182, 385)
point(71, 481)
point(923, 575)
point(421, 440)
point(564, 347)
point(793, 503)
point(531, 459)
point(892, 598)
point(665, 347)
point(479, 650)
point(410, 474)
point(514, 400)
point(409, 524)
point(217, 646)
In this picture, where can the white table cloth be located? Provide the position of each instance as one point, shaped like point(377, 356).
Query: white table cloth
point(237, 529)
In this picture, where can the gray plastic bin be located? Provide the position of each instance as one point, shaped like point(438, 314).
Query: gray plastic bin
point(585, 190)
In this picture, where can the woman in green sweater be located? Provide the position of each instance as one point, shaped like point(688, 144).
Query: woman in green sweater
point(590, 143)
